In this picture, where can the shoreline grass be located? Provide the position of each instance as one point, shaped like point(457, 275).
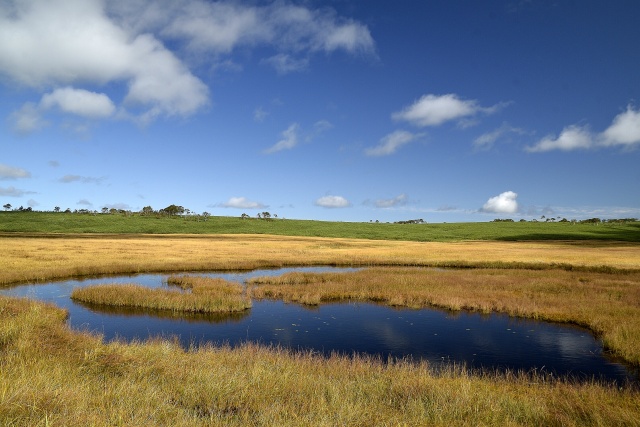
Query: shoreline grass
point(197, 295)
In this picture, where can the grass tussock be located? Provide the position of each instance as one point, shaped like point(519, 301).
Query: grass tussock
point(196, 295)
point(608, 304)
point(54, 376)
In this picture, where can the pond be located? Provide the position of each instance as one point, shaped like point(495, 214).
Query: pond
point(492, 341)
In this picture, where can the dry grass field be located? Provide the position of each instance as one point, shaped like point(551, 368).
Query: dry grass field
point(54, 376)
point(48, 257)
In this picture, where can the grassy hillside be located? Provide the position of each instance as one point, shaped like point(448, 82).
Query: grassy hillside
point(49, 222)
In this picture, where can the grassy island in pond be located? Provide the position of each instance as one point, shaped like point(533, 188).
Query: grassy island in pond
point(196, 295)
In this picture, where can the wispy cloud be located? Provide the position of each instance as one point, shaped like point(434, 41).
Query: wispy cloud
point(487, 140)
point(434, 110)
point(14, 192)
point(399, 200)
point(10, 172)
point(242, 203)
point(67, 179)
point(392, 143)
point(288, 141)
point(332, 202)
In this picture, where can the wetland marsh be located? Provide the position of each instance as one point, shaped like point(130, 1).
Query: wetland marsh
point(54, 374)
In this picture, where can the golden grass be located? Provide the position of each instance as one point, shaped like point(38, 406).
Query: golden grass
point(607, 303)
point(44, 258)
point(203, 295)
point(53, 376)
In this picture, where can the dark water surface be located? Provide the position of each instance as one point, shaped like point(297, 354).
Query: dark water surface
point(493, 341)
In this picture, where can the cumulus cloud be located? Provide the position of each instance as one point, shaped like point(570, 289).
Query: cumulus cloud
point(434, 110)
point(80, 102)
point(242, 203)
point(68, 45)
point(624, 131)
point(63, 42)
point(332, 202)
point(391, 143)
point(10, 172)
point(399, 200)
point(571, 138)
point(288, 141)
point(503, 203)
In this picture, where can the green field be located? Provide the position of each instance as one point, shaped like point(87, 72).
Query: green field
point(50, 222)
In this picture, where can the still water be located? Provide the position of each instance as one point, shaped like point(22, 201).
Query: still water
point(480, 341)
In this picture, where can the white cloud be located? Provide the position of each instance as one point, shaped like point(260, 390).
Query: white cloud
point(67, 179)
point(571, 138)
point(332, 202)
point(487, 140)
point(10, 172)
point(433, 110)
point(288, 141)
point(58, 43)
point(27, 119)
point(219, 27)
point(503, 203)
point(390, 203)
point(80, 102)
point(625, 129)
point(391, 143)
point(13, 192)
point(62, 42)
point(285, 64)
point(242, 203)
point(260, 114)
point(119, 206)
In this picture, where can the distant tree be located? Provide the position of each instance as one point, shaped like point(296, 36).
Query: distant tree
point(147, 210)
point(244, 216)
point(67, 210)
point(205, 215)
point(266, 215)
point(173, 210)
point(105, 210)
point(7, 206)
point(56, 209)
point(259, 215)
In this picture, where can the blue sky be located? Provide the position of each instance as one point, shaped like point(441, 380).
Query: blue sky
point(341, 110)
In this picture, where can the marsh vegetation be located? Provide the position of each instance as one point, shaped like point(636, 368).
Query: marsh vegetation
point(197, 295)
point(53, 375)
